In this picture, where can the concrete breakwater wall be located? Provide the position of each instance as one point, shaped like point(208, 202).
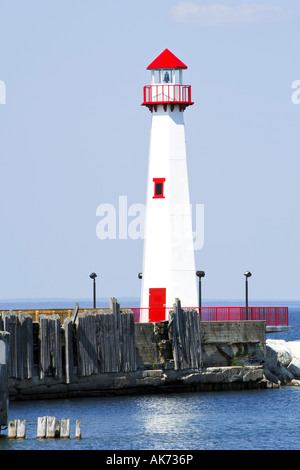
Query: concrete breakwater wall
point(105, 352)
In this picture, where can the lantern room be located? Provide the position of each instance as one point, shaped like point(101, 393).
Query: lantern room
point(166, 83)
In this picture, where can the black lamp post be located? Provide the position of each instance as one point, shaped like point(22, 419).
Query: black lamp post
point(247, 274)
point(93, 276)
point(200, 274)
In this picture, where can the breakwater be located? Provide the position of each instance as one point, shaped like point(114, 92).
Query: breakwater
point(104, 352)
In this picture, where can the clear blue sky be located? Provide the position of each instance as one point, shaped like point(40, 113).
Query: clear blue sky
point(73, 136)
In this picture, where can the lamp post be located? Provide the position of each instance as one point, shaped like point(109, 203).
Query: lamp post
point(247, 274)
point(200, 274)
point(93, 276)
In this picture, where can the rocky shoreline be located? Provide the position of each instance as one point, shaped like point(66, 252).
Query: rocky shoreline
point(282, 362)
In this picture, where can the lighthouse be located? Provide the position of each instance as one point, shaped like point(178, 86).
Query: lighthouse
point(168, 259)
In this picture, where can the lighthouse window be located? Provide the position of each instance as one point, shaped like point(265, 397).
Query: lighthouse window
point(159, 187)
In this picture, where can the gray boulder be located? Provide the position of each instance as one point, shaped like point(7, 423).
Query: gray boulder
point(282, 362)
point(294, 367)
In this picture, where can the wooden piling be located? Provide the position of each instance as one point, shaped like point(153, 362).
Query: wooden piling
point(11, 324)
point(26, 344)
point(4, 387)
point(86, 345)
point(69, 356)
point(20, 328)
point(185, 335)
point(41, 427)
point(78, 429)
point(50, 344)
point(21, 428)
point(65, 428)
point(127, 342)
point(57, 428)
point(50, 427)
point(12, 429)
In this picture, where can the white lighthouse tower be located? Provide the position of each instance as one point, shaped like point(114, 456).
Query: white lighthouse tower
point(168, 264)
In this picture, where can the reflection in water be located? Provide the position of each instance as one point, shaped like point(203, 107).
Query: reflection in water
point(172, 422)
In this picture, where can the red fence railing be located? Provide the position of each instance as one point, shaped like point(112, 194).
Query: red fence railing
point(274, 316)
point(271, 315)
point(154, 94)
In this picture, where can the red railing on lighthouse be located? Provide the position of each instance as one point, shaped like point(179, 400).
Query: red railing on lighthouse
point(167, 93)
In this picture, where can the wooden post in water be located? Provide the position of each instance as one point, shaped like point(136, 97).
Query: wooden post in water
point(65, 428)
point(50, 427)
point(57, 428)
point(12, 429)
point(21, 428)
point(41, 427)
point(78, 429)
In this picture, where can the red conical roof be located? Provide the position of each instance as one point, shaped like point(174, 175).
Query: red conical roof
point(166, 60)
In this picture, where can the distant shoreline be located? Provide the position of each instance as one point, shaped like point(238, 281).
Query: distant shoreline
point(69, 303)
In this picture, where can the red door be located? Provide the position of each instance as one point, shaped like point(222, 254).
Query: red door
point(157, 304)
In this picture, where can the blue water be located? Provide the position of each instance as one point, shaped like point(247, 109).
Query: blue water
point(244, 420)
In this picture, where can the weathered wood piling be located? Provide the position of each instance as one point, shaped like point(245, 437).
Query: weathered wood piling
point(50, 346)
point(21, 428)
point(106, 341)
point(65, 428)
point(12, 429)
point(4, 390)
point(185, 335)
point(41, 427)
point(20, 363)
point(48, 427)
point(17, 429)
point(93, 342)
point(78, 429)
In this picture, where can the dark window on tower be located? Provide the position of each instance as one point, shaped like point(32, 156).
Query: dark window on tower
point(159, 187)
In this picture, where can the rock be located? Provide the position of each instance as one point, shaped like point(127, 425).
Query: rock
point(294, 367)
point(283, 358)
point(294, 382)
point(284, 375)
point(279, 348)
point(294, 348)
point(282, 361)
point(270, 376)
point(271, 357)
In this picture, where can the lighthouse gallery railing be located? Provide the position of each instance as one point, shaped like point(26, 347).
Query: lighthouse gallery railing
point(167, 94)
point(273, 316)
